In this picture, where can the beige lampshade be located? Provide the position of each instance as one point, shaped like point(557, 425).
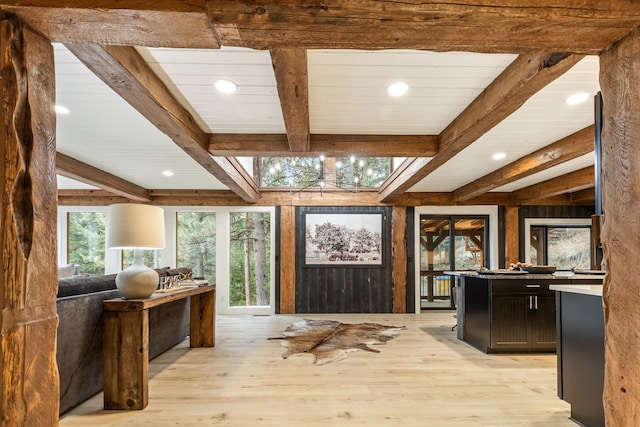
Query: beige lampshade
point(131, 225)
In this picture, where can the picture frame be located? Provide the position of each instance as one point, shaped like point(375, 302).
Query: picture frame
point(343, 239)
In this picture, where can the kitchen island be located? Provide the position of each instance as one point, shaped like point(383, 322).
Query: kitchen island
point(511, 312)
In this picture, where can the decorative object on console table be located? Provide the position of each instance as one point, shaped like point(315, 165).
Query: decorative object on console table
point(137, 227)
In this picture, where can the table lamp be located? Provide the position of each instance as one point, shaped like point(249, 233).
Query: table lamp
point(137, 227)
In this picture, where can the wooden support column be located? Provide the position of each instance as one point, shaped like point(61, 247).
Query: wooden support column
point(126, 359)
point(287, 260)
point(203, 320)
point(511, 235)
point(619, 81)
point(29, 381)
point(399, 250)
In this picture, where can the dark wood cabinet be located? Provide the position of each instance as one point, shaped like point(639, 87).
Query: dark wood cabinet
point(543, 320)
point(509, 321)
point(510, 313)
point(580, 320)
point(523, 322)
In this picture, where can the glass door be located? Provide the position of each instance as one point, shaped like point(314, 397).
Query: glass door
point(449, 243)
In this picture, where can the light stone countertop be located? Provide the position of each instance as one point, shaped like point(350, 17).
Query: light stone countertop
point(595, 290)
point(524, 275)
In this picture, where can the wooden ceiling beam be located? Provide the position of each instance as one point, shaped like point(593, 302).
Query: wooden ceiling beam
point(75, 169)
point(284, 198)
point(523, 78)
point(572, 26)
point(161, 23)
point(276, 145)
point(568, 148)
point(568, 183)
point(89, 198)
point(123, 69)
point(290, 68)
point(559, 200)
point(466, 25)
point(587, 195)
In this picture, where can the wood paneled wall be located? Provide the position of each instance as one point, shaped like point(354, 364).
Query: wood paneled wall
point(344, 288)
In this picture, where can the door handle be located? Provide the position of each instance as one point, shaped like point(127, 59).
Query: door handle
point(536, 301)
point(530, 302)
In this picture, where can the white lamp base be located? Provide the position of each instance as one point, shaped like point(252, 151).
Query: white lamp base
point(137, 281)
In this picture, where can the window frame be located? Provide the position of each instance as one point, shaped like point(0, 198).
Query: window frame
point(550, 222)
point(112, 258)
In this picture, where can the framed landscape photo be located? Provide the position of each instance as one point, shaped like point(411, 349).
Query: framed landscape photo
point(343, 239)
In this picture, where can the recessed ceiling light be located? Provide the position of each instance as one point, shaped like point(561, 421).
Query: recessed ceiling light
point(225, 86)
point(498, 156)
point(61, 110)
point(167, 173)
point(577, 98)
point(398, 89)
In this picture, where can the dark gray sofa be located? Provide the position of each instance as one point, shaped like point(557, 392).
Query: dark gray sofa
point(79, 345)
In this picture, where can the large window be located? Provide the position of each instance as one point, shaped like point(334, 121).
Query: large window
point(196, 243)
point(86, 241)
point(307, 172)
point(227, 246)
point(250, 259)
point(564, 246)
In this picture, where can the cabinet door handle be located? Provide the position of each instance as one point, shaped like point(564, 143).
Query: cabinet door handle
point(530, 302)
point(536, 301)
point(532, 286)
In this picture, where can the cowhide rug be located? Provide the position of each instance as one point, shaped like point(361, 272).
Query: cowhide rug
point(329, 341)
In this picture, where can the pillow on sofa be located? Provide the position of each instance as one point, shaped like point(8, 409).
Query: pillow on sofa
point(65, 270)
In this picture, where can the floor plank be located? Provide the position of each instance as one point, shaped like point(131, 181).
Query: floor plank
point(425, 377)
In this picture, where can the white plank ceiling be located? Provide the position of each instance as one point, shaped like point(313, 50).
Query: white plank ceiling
point(347, 95)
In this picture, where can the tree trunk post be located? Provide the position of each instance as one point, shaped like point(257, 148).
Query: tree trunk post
point(30, 392)
point(619, 77)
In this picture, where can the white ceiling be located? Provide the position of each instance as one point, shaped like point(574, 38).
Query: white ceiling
point(347, 95)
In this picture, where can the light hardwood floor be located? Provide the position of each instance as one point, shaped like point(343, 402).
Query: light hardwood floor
point(425, 377)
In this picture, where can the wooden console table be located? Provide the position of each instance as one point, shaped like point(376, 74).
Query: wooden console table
point(126, 341)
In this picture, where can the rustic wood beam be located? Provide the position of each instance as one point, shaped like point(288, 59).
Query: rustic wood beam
point(559, 200)
point(512, 235)
point(124, 70)
point(162, 23)
point(290, 68)
point(288, 260)
point(312, 198)
point(586, 195)
point(90, 198)
point(276, 145)
point(568, 148)
point(568, 183)
point(466, 25)
point(399, 254)
point(75, 169)
point(513, 87)
point(619, 82)
point(527, 26)
point(29, 382)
